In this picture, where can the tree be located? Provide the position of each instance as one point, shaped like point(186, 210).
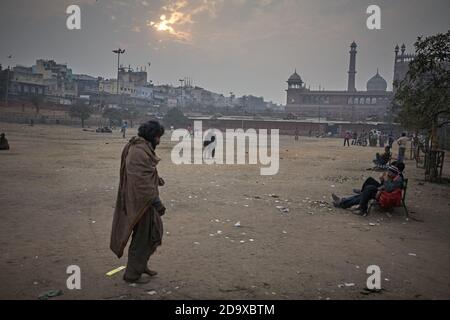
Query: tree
point(81, 111)
point(132, 115)
point(37, 101)
point(423, 97)
point(115, 116)
point(175, 117)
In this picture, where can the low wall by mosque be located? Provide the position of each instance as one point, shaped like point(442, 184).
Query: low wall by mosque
point(304, 128)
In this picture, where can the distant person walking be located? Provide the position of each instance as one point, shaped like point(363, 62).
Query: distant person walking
point(347, 138)
point(4, 145)
point(382, 140)
point(124, 129)
point(355, 138)
point(209, 147)
point(402, 144)
point(390, 139)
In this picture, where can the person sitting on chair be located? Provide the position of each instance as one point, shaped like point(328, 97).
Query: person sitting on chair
point(390, 181)
point(383, 159)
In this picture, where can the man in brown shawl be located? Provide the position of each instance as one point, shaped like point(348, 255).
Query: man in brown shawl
point(138, 208)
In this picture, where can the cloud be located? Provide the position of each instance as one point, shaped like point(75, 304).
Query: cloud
point(178, 16)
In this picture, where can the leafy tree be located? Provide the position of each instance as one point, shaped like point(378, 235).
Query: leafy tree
point(36, 101)
point(81, 111)
point(423, 97)
point(175, 117)
point(132, 115)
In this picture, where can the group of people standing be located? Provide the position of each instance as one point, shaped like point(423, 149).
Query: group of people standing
point(372, 138)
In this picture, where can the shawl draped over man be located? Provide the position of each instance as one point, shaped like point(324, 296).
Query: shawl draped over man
point(138, 189)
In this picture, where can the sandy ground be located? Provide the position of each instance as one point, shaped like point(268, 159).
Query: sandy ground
point(57, 193)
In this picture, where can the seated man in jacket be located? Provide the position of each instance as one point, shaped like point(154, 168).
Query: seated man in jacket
point(390, 181)
point(383, 159)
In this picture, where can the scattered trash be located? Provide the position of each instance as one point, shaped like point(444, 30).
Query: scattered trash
point(196, 243)
point(283, 209)
point(35, 283)
point(219, 232)
point(238, 224)
point(251, 240)
point(242, 241)
point(50, 294)
point(349, 284)
point(151, 292)
point(284, 232)
point(117, 270)
point(412, 254)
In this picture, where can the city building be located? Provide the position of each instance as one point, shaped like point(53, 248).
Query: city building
point(350, 105)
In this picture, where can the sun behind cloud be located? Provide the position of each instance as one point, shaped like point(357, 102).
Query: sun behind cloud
point(179, 16)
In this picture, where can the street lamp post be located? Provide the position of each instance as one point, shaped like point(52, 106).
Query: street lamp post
point(319, 121)
point(181, 89)
point(7, 83)
point(118, 52)
point(7, 87)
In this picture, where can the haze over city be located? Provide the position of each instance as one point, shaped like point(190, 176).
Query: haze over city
point(244, 46)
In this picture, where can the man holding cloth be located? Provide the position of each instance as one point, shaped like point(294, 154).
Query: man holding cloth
point(138, 208)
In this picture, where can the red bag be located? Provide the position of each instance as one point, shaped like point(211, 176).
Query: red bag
point(389, 200)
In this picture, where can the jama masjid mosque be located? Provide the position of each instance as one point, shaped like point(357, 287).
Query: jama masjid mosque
point(350, 105)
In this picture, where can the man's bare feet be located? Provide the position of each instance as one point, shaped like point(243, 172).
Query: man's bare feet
point(151, 273)
point(140, 280)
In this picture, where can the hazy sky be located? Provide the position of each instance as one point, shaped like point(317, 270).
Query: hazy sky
point(244, 46)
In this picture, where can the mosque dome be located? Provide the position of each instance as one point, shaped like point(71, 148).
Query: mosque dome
point(295, 78)
point(377, 83)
